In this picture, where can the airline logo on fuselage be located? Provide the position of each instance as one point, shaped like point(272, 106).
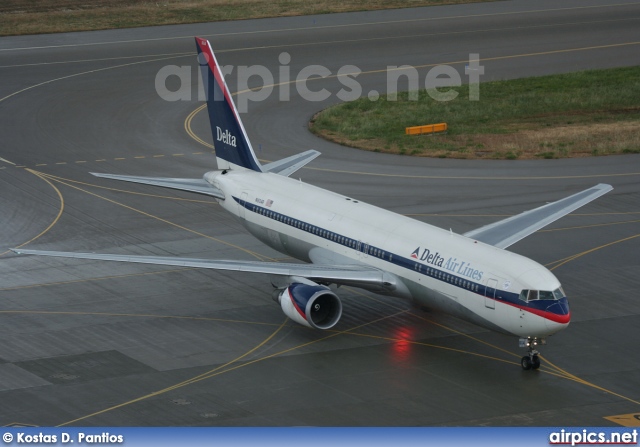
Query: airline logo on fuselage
point(462, 268)
point(428, 257)
point(225, 136)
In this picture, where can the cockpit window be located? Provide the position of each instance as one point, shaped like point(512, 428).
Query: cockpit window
point(544, 295)
point(531, 295)
point(528, 295)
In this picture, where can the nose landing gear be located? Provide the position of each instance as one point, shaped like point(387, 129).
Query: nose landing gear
point(532, 359)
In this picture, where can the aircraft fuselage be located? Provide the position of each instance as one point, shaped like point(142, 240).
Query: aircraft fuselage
point(436, 268)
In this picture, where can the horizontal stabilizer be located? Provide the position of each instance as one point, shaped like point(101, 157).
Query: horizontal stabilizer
point(357, 275)
point(196, 185)
point(507, 232)
point(289, 165)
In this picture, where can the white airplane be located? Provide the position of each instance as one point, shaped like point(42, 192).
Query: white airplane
point(347, 242)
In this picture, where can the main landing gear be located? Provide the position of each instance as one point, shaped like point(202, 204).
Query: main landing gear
point(532, 359)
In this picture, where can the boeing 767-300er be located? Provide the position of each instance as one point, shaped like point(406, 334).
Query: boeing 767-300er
point(347, 242)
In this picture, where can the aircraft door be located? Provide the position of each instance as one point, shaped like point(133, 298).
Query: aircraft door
point(243, 201)
point(363, 248)
point(490, 295)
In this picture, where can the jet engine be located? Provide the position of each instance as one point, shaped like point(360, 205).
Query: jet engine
point(313, 306)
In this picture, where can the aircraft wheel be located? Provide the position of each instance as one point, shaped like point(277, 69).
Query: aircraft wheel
point(535, 362)
point(526, 363)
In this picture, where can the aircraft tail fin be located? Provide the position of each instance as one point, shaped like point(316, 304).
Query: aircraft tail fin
point(233, 149)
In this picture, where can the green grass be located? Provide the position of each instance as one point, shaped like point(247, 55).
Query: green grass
point(594, 112)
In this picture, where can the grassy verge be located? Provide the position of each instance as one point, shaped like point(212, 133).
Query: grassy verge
point(587, 113)
point(55, 16)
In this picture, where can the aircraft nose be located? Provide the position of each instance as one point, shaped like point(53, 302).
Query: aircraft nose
point(559, 314)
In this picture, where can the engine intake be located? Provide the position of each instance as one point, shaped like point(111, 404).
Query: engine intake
point(313, 306)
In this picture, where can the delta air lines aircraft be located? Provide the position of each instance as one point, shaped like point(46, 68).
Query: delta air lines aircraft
point(344, 241)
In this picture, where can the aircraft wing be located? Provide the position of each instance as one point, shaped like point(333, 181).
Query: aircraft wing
point(196, 185)
point(355, 275)
point(507, 232)
point(289, 165)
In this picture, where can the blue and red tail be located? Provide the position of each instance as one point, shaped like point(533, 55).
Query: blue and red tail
point(233, 149)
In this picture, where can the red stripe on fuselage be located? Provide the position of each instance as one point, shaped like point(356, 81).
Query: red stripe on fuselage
point(556, 318)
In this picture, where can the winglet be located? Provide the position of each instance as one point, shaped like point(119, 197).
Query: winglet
point(233, 149)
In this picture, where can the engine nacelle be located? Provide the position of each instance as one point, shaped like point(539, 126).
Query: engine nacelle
point(313, 306)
